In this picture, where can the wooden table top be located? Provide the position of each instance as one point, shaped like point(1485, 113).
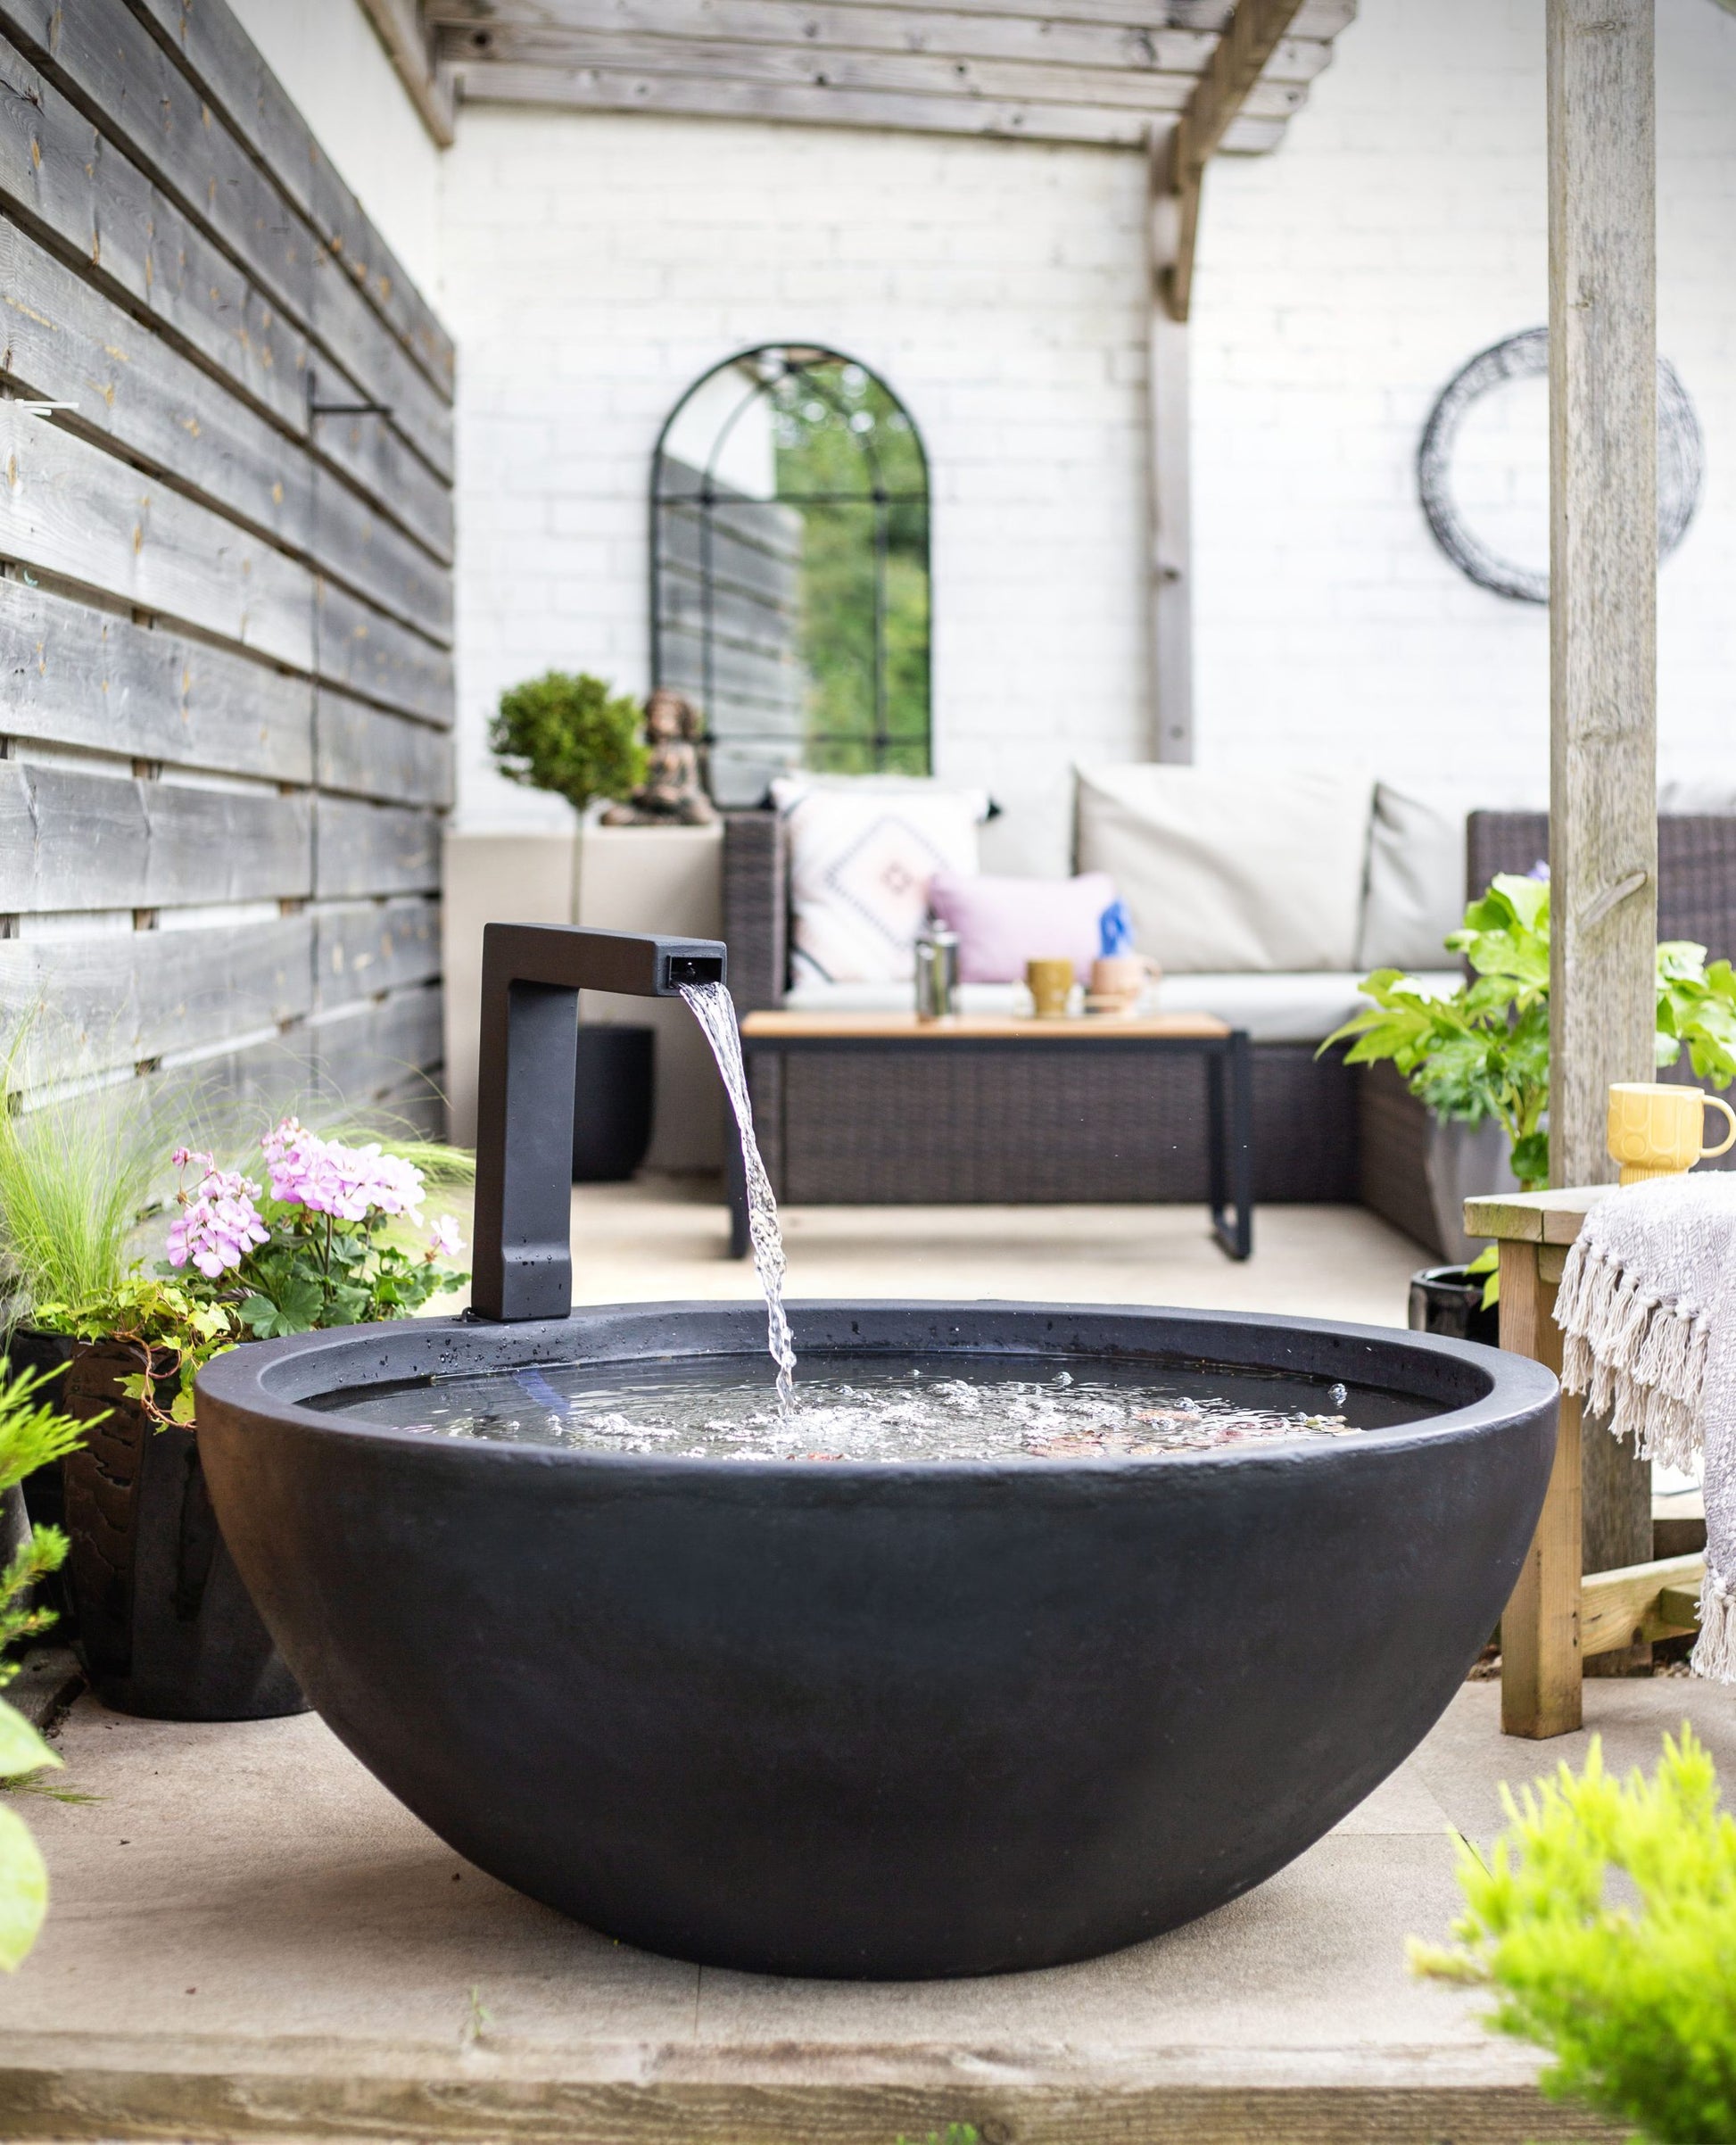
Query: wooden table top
point(965, 1027)
point(1553, 1217)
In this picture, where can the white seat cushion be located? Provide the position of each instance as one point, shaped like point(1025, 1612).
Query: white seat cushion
point(1227, 870)
point(1303, 1008)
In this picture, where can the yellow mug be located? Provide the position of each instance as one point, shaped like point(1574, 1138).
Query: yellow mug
point(1050, 987)
point(1656, 1130)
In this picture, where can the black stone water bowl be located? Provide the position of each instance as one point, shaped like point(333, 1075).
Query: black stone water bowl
point(872, 1719)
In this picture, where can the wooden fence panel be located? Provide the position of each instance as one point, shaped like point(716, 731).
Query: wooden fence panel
point(112, 65)
point(234, 79)
point(374, 945)
point(380, 660)
point(65, 341)
point(63, 177)
point(70, 841)
point(73, 510)
point(368, 753)
point(374, 849)
point(77, 675)
point(119, 997)
point(225, 618)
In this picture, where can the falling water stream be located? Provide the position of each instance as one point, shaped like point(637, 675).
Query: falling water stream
point(714, 1010)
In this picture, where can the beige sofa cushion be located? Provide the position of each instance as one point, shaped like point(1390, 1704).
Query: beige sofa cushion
point(1417, 891)
point(1231, 870)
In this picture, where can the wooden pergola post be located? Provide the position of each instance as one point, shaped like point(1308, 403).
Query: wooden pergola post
point(1603, 640)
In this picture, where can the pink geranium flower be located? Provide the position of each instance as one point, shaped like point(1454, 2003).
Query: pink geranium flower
point(350, 1183)
point(218, 1224)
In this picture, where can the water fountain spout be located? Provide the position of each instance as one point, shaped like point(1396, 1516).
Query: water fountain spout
point(532, 977)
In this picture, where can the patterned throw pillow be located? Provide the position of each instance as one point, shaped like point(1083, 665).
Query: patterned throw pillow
point(861, 858)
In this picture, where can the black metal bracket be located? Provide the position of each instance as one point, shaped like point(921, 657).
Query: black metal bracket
point(316, 408)
point(532, 977)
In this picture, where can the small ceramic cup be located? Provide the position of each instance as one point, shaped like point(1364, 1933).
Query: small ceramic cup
point(1656, 1130)
point(1117, 982)
point(1050, 987)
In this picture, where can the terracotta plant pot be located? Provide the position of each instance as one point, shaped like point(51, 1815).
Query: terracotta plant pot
point(162, 1620)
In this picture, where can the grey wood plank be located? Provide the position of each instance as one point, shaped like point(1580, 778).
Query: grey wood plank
point(409, 46)
point(106, 59)
point(73, 510)
point(66, 340)
point(364, 1053)
point(367, 752)
point(364, 947)
point(118, 997)
point(700, 97)
point(1318, 18)
point(1603, 567)
point(901, 71)
point(231, 75)
point(374, 849)
point(374, 656)
point(65, 178)
point(74, 675)
point(832, 25)
point(71, 841)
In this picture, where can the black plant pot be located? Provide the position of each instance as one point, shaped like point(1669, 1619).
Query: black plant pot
point(868, 1720)
point(162, 1622)
point(1449, 1300)
point(612, 1101)
point(43, 1494)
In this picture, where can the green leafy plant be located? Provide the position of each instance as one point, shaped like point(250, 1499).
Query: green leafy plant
point(32, 1435)
point(75, 1175)
point(571, 735)
point(1482, 1049)
point(1634, 1995)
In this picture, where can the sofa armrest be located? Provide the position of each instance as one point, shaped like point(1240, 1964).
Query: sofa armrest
point(755, 908)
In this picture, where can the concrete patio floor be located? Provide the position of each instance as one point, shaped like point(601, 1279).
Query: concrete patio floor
point(667, 1236)
point(250, 1939)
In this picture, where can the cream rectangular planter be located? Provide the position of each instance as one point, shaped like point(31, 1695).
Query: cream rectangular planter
point(660, 879)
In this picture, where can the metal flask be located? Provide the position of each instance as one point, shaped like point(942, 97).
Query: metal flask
point(937, 974)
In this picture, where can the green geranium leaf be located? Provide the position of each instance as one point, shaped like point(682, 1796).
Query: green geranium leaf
point(22, 1749)
point(23, 1890)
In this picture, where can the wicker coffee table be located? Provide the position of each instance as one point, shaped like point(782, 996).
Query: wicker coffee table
point(1073, 1062)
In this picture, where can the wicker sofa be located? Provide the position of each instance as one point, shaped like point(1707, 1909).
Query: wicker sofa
point(835, 1131)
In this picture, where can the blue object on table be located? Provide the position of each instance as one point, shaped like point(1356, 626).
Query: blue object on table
point(1115, 931)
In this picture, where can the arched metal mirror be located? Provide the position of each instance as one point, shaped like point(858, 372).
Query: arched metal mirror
point(789, 569)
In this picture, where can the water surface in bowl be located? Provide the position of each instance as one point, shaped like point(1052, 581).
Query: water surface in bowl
point(880, 1407)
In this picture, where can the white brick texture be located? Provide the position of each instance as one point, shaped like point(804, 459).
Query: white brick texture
point(593, 267)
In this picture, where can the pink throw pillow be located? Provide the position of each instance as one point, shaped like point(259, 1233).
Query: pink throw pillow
point(1003, 922)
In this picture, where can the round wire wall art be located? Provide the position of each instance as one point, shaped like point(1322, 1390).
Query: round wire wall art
point(1681, 463)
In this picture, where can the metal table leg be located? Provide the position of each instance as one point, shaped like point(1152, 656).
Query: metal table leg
point(1232, 1144)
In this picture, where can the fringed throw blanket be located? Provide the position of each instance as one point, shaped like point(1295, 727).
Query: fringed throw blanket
point(1647, 1307)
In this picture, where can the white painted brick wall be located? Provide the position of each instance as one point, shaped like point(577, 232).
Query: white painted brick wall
point(1400, 229)
point(594, 268)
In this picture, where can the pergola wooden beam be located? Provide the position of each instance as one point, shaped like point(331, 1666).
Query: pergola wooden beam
point(819, 33)
point(403, 29)
point(1603, 626)
point(1102, 71)
point(1256, 31)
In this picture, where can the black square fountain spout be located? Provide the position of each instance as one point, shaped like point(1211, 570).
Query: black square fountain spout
point(532, 977)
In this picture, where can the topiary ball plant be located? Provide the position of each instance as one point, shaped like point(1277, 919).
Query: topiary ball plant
point(569, 734)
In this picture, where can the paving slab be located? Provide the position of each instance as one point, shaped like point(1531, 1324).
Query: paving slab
point(250, 1939)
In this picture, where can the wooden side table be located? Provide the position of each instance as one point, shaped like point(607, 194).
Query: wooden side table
point(1556, 1617)
point(893, 1038)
